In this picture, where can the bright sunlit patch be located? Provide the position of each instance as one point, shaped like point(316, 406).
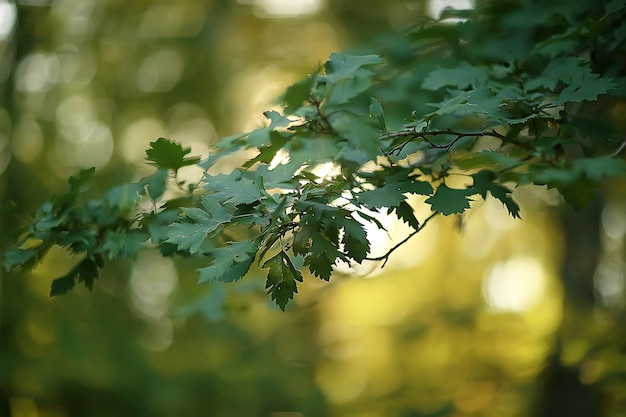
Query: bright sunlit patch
point(496, 216)
point(7, 18)
point(514, 285)
point(280, 157)
point(436, 7)
point(284, 8)
point(326, 171)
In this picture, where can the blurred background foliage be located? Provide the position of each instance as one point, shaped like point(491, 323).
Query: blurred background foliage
point(478, 316)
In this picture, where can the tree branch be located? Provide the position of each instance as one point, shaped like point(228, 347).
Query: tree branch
point(425, 135)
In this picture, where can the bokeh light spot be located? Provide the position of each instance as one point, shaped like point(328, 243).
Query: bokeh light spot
point(27, 143)
point(284, 8)
point(152, 282)
point(514, 285)
point(160, 71)
point(436, 7)
point(8, 13)
point(38, 72)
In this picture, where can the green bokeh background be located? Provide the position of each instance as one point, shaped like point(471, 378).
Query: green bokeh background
point(477, 316)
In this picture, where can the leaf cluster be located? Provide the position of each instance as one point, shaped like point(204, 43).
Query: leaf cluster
point(361, 135)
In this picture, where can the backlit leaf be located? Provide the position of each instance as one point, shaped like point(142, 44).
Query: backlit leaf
point(342, 66)
point(230, 263)
point(354, 239)
point(405, 213)
point(449, 200)
point(298, 93)
point(191, 233)
point(233, 188)
point(460, 77)
point(167, 154)
point(281, 279)
point(584, 86)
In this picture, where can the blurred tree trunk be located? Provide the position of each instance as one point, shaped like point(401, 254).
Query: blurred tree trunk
point(560, 389)
point(18, 187)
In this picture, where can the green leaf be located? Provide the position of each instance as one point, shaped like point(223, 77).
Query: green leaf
point(486, 157)
point(234, 189)
point(158, 225)
point(405, 212)
point(349, 76)
point(357, 131)
point(319, 208)
point(449, 200)
point(155, 183)
point(342, 66)
point(590, 168)
point(460, 77)
point(14, 257)
point(230, 263)
point(85, 271)
point(377, 114)
point(167, 154)
point(62, 285)
point(320, 266)
point(88, 271)
point(354, 239)
point(122, 241)
point(77, 184)
point(261, 136)
point(191, 234)
point(277, 141)
point(557, 70)
point(320, 254)
point(466, 103)
point(503, 194)
point(123, 197)
point(577, 194)
point(584, 86)
point(281, 279)
point(483, 182)
point(83, 240)
point(392, 194)
point(298, 93)
point(385, 196)
point(345, 90)
point(578, 183)
point(600, 167)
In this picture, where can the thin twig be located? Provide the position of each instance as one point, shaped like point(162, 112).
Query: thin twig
point(424, 135)
point(618, 150)
point(385, 257)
